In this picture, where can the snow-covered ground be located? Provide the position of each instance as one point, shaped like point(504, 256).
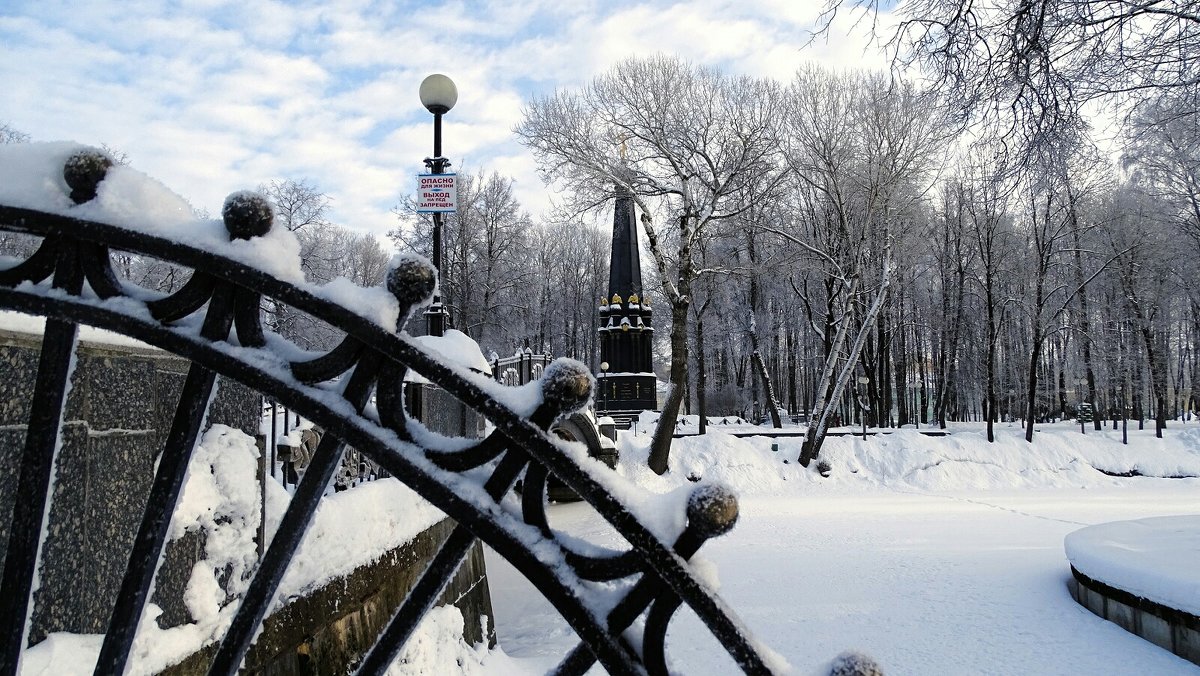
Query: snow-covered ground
point(931, 555)
point(934, 556)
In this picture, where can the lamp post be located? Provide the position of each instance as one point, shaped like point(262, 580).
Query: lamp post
point(916, 402)
point(604, 385)
point(438, 95)
point(863, 381)
point(1079, 383)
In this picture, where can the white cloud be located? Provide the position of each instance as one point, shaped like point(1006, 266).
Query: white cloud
point(212, 96)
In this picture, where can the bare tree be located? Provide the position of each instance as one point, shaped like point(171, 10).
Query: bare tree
point(486, 274)
point(1163, 154)
point(683, 140)
point(16, 244)
point(10, 135)
point(861, 153)
point(297, 203)
point(1027, 68)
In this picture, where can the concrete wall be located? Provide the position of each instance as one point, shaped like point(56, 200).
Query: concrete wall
point(1165, 627)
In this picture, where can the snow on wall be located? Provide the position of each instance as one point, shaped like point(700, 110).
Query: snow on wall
point(454, 347)
point(220, 496)
point(33, 325)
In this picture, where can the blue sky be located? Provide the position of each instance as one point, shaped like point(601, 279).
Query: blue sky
point(213, 96)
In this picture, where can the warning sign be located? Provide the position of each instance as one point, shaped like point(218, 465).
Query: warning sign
point(436, 192)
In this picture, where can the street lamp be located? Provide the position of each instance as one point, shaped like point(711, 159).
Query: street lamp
point(1079, 383)
point(438, 95)
point(862, 404)
point(604, 384)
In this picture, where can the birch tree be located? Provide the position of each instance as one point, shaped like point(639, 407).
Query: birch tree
point(860, 152)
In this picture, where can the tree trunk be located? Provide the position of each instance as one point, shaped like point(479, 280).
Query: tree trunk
point(793, 405)
point(1158, 380)
point(701, 375)
point(660, 443)
point(902, 382)
point(815, 436)
point(1085, 338)
point(990, 358)
point(768, 390)
point(827, 393)
point(1031, 392)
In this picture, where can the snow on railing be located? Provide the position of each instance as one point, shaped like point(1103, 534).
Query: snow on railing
point(355, 392)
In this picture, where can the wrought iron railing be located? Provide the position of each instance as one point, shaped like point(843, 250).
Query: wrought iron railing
point(214, 322)
point(523, 367)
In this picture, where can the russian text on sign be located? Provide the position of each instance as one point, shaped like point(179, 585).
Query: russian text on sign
point(437, 192)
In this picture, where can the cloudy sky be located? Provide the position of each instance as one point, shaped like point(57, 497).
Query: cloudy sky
point(212, 96)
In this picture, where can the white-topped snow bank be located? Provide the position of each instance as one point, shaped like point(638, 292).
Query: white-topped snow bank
point(354, 528)
point(905, 459)
point(1156, 558)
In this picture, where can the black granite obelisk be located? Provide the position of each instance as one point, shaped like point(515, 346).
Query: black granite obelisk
point(628, 386)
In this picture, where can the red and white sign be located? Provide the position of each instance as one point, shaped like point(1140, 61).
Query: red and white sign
point(436, 192)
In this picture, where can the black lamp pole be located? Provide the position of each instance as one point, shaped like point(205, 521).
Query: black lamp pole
point(862, 404)
point(604, 385)
point(1079, 383)
point(438, 95)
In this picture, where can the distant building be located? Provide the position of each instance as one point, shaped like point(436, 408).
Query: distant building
point(626, 334)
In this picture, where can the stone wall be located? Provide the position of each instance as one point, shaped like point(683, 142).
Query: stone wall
point(439, 411)
point(1168, 628)
point(330, 629)
point(118, 412)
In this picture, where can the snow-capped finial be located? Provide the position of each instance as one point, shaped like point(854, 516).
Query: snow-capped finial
point(83, 172)
point(712, 510)
point(567, 385)
point(852, 663)
point(247, 214)
point(411, 280)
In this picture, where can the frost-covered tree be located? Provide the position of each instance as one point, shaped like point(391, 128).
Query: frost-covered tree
point(327, 251)
point(1162, 153)
point(1026, 69)
point(570, 268)
point(486, 278)
point(683, 140)
point(8, 134)
point(861, 153)
point(298, 204)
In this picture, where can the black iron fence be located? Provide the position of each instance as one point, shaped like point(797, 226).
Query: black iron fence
point(214, 321)
point(523, 367)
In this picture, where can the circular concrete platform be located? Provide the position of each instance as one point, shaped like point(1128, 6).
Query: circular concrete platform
point(1143, 575)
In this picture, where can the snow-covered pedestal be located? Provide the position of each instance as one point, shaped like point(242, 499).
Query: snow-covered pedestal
point(1143, 575)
